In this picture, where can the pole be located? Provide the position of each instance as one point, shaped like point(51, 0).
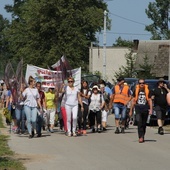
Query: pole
point(169, 63)
point(104, 47)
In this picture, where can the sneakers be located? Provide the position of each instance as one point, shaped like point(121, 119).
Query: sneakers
point(141, 140)
point(69, 134)
point(104, 129)
point(123, 130)
point(30, 136)
point(74, 134)
point(93, 130)
point(51, 130)
point(39, 135)
point(98, 130)
point(160, 131)
point(117, 131)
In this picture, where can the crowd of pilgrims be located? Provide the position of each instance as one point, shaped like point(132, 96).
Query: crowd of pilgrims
point(34, 109)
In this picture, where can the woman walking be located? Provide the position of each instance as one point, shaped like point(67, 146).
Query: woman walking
point(95, 107)
point(82, 116)
point(72, 97)
point(31, 102)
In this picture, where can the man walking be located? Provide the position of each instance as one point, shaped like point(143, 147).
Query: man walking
point(160, 103)
point(120, 98)
point(143, 104)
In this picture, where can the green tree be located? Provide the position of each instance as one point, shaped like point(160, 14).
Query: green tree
point(123, 43)
point(145, 69)
point(128, 69)
point(158, 12)
point(3, 45)
point(42, 31)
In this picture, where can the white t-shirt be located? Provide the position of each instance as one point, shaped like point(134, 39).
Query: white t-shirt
point(31, 95)
point(71, 96)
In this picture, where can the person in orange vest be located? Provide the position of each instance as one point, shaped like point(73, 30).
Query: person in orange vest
point(142, 103)
point(120, 98)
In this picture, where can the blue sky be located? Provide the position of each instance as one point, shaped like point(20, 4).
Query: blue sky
point(128, 20)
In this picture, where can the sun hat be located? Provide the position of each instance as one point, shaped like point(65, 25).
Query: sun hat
point(95, 87)
point(161, 80)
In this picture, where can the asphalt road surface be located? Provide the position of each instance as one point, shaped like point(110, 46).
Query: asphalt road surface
point(96, 151)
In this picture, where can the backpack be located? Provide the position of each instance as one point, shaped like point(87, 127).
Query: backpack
point(106, 97)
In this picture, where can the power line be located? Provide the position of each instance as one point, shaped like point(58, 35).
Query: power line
point(124, 33)
point(127, 19)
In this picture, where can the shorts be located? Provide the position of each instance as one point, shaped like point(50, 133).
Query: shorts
point(160, 112)
point(120, 109)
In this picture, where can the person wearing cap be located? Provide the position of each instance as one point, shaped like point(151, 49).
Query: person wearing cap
point(95, 107)
point(159, 95)
point(142, 103)
point(120, 98)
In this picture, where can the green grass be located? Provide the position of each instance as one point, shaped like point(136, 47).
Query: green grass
point(7, 161)
point(1, 122)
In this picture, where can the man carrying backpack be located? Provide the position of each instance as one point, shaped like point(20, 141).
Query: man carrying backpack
point(120, 98)
point(142, 103)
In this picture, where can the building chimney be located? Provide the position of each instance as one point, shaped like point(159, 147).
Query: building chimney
point(135, 44)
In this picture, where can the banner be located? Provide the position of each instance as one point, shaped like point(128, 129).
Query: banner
point(50, 78)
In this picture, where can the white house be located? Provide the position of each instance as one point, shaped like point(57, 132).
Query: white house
point(115, 58)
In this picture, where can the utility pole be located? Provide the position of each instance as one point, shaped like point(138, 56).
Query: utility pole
point(169, 63)
point(104, 46)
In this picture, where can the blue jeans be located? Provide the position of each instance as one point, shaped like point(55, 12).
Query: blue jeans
point(120, 109)
point(21, 118)
point(31, 115)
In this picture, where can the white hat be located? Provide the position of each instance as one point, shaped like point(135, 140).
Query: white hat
point(95, 87)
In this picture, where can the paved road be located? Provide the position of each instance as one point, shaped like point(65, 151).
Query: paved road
point(105, 151)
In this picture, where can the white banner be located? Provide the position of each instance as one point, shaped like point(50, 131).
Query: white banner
point(50, 78)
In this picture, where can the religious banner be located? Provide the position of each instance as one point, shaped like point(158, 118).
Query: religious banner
point(51, 78)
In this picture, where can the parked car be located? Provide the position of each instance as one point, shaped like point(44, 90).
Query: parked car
point(152, 84)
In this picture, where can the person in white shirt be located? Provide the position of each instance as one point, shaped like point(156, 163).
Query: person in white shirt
point(31, 102)
point(72, 97)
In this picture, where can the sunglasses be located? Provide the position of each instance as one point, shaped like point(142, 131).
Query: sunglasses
point(70, 81)
point(141, 82)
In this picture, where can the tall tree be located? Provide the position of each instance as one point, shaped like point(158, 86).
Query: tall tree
point(3, 45)
point(128, 69)
point(158, 12)
point(145, 69)
point(42, 31)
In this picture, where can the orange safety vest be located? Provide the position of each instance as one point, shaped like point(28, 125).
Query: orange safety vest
point(121, 96)
point(146, 90)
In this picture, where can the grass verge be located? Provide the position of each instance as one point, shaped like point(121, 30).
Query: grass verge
point(7, 157)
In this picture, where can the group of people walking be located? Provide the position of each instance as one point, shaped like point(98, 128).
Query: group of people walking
point(76, 108)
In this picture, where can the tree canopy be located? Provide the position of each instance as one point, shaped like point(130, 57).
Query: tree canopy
point(158, 12)
point(42, 31)
point(123, 43)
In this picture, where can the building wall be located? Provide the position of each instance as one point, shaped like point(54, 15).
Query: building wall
point(115, 58)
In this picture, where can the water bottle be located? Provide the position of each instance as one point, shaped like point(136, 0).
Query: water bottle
point(148, 119)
